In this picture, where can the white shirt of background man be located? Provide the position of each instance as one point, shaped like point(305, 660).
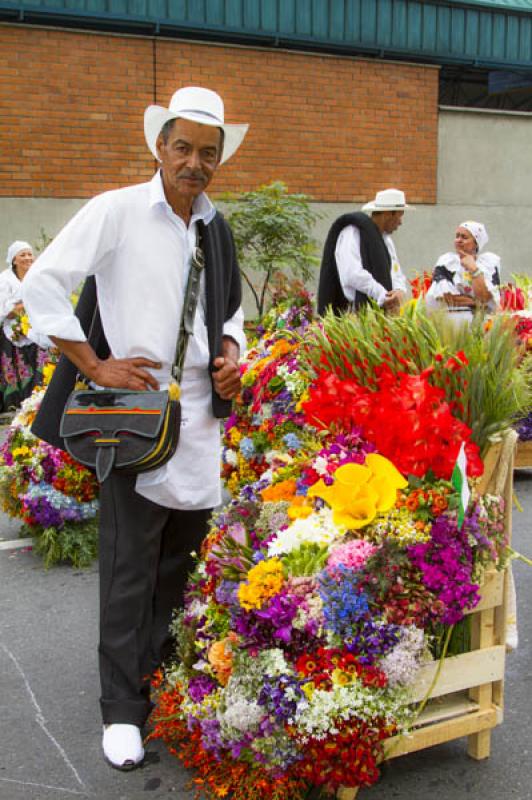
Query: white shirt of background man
point(352, 273)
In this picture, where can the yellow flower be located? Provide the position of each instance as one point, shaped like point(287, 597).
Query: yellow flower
point(308, 688)
point(25, 324)
point(341, 678)
point(21, 451)
point(360, 491)
point(234, 436)
point(299, 508)
point(263, 581)
point(47, 372)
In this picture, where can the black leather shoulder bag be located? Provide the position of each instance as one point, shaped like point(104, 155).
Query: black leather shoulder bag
point(107, 429)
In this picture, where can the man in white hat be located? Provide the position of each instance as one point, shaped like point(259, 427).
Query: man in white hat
point(137, 242)
point(360, 261)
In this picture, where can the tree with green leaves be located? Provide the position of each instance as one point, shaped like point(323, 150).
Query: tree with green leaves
point(272, 231)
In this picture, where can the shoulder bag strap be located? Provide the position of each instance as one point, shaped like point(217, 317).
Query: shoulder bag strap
point(190, 302)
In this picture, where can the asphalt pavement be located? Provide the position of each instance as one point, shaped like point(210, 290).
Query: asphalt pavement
point(49, 717)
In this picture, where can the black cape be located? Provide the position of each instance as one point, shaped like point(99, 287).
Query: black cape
point(375, 258)
point(223, 294)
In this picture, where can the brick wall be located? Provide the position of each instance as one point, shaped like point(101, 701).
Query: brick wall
point(71, 107)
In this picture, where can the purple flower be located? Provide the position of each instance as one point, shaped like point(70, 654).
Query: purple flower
point(199, 687)
point(446, 566)
point(280, 696)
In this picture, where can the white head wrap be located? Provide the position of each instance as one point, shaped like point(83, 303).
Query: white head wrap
point(478, 231)
point(14, 249)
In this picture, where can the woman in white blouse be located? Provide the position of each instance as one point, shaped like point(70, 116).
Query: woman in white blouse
point(21, 360)
point(467, 279)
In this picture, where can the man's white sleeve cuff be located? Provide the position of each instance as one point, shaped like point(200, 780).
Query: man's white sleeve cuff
point(68, 329)
point(234, 330)
point(381, 296)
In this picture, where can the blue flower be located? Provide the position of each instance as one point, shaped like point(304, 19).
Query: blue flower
point(247, 448)
point(292, 441)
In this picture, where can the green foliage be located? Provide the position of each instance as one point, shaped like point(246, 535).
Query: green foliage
point(459, 641)
point(272, 229)
point(498, 384)
point(488, 392)
point(523, 282)
point(75, 543)
point(43, 241)
point(307, 560)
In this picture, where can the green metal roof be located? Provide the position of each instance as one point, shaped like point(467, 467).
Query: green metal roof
point(506, 5)
point(495, 34)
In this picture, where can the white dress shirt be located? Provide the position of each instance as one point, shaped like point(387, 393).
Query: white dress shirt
point(139, 252)
point(354, 277)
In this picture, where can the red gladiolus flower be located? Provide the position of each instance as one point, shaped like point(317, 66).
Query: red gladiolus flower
point(406, 417)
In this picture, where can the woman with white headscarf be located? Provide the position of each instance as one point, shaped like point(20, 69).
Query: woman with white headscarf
point(467, 279)
point(21, 360)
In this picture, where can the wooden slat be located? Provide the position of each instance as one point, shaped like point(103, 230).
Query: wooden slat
point(491, 591)
point(490, 464)
point(523, 455)
point(461, 672)
point(345, 793)
point(446, 707)
point(441, 732)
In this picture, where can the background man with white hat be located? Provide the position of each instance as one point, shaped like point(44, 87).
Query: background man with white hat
point(360, 261)
point(137, 242)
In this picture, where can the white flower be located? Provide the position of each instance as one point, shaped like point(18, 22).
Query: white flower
point(230, 457)
point(317, 528)
point(320, 465)
point(197, 609)
point(402, 663)
point(241, 714)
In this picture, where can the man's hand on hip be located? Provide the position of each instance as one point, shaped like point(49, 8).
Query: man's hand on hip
point(125, 373)
point(113, 373)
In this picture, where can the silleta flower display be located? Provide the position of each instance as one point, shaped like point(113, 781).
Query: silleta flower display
point(323, 585)
point(54, 496)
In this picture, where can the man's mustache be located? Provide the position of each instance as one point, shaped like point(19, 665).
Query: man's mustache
point(196, 175)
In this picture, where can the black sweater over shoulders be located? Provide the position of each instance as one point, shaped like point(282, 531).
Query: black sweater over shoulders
point(375, 258)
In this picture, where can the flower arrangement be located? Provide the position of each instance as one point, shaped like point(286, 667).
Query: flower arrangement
point(322, 586)
point(19, 327)
point(54, 496)
point(266, 424)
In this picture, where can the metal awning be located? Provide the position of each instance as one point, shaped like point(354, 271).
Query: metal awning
point(492, 34)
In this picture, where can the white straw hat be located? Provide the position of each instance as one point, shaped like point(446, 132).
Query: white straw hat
point(387, 200)
point(198, 105)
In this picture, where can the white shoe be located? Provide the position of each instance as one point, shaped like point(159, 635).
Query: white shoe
point(122, 746)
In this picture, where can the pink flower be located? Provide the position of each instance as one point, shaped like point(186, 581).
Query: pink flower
point(352, 555)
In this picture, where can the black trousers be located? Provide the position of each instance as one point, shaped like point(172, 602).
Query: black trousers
point(144, 563)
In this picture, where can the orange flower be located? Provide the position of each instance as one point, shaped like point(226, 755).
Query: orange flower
point(411, 502)
point(281, 348)
point(221, 659)
point(284, 490)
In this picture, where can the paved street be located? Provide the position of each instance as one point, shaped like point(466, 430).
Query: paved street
point(49, 721)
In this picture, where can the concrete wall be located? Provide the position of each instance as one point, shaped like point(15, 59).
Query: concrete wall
point(484, 173)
